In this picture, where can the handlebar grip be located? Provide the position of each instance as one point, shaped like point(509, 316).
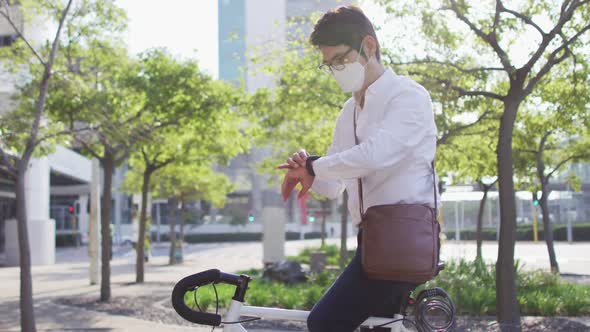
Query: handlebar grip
point(189, 283)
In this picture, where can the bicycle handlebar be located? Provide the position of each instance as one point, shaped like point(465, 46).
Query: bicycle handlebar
point(200, 279)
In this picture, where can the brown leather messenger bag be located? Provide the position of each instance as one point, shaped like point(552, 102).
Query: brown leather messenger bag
point(399, 242)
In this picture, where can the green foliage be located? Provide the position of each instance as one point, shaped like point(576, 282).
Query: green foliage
point(552, 129)
point(472, 288)
point(269, 294)
point(332, 254)
point(471, 285)
point(86, 23)
point(100, 97)
point(469, 156)
point(301, 111)
point(208, 131)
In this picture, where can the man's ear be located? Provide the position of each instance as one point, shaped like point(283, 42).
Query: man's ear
point(369, 47)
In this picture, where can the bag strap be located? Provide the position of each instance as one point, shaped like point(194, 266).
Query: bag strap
point(434, 190)
point(360, 183)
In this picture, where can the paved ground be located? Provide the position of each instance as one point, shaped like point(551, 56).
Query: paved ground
point(69, 277)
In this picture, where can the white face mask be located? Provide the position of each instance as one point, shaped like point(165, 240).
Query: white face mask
point(352, 76)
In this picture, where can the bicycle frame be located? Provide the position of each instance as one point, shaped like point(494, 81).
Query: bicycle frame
point(238, 309)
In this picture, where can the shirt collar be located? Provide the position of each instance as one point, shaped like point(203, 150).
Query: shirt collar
point(383, 83)
point(378, 88)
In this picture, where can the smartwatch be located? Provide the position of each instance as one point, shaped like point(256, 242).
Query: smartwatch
point(309, 166)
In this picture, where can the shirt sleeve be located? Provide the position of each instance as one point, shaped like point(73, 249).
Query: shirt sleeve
point(334, 187)
point(406, 122)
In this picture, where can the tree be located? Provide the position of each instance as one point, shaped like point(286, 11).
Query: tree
point(452, 31)
point(182, 182)
point(83, 19)
point(470, 158)
point(112, 93)
point(552, 132)
point(98, 93)
point(211, 135)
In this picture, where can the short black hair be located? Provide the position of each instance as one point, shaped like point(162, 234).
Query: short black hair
point(346, 25)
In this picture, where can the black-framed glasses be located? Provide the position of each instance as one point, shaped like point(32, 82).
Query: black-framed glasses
point(336, 64)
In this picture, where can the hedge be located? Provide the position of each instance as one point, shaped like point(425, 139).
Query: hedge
point(234, 237)
point(67, 240)
point(581, 232)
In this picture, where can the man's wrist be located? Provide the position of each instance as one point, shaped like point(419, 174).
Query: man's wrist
point(309, 164)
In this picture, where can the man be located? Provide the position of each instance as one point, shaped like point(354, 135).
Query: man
point(397, 142)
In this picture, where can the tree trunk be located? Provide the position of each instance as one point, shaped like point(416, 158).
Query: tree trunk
point(139, 263)
point(108, 164)
point(508, 312)
point(182, 220)
point(548, 229)
point(482, 205)
point(172, 221)
point(343, 230)
point(27, 313)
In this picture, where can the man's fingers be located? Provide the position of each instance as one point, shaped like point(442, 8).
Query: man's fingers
point(300, 158)
point(303, 152)
point(284, 166)
point(287, 187)
point(293, 163)
point(304, 189)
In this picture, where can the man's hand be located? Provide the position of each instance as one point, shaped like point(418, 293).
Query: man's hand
point(297, 160)
point(292, 178)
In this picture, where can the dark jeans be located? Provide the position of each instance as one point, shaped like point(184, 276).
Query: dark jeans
point(353, 298)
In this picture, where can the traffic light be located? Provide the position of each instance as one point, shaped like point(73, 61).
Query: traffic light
point(535, 202)
point(251, 217)
point(70, 209)
point(311, 219)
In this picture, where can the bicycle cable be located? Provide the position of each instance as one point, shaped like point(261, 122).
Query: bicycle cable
point(217, 308)
point(431, 299)
point(404, 319)
point(434, 299)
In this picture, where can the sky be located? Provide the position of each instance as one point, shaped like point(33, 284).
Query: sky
point(187, 28)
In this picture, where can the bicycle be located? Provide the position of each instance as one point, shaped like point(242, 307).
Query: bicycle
point(428, 300)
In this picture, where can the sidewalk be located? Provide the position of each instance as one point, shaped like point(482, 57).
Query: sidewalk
point(53, 317)
point(69, 279)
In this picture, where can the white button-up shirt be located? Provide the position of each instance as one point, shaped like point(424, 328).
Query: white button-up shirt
point(397, 143)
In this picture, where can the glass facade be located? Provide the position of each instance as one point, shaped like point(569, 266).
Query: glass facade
point(232, 39)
